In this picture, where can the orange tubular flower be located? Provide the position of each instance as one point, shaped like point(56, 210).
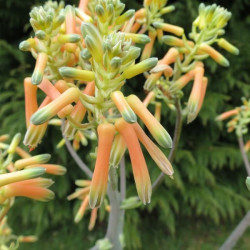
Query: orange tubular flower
point(29, 191)
point(34, 134)
point(82, 209)
point(50, 168)
point(140, 171)
point(149, 46)
point(30, 92)
point(98, 187)
point(218, 57)
point(227, 114)
point(150, 96)
point(195, 96)
point(155, 128)
point(22, 153)
point(182, 81)
point(159, 158)
point(92, 220)
point(61, 86)
point(124, 108)
point(70, 20)
point(78, 112)
point(83, 5)
point(41, 62)
point(136, 26)
point(247, 146)
point(203, 92)
point(178, 31)
point(47, 112)
point(20, 176)
point(52, 92)
point(158, 111)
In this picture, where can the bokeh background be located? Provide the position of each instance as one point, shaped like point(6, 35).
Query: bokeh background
point(208, 196)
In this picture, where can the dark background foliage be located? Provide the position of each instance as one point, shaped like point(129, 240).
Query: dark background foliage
point(208, 194)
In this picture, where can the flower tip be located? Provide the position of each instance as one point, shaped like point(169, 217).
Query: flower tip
point(49, 196)
point(34, 172)
point(191, 117)
point(248, 182)
point(77, 218)
point(36, 78)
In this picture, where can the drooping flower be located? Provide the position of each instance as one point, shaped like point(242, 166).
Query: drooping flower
point(106, 132)
point(140, 171)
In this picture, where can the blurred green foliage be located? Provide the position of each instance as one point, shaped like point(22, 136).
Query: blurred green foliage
point(209, 173)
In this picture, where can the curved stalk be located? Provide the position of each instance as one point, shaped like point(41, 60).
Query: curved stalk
point(177, 134)
point(243, 154)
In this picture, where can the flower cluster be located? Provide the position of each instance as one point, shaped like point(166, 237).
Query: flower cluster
point(83, 57)
point(22, 178)
point(182, 63)
point(240, 119)
point(82, 193)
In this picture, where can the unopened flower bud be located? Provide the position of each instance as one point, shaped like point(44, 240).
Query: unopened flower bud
point(140, 67)
point(14, 143)
point(223, 43)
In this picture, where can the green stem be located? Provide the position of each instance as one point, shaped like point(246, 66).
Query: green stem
point(116, 215)
point(244, 155)
point(177, 134)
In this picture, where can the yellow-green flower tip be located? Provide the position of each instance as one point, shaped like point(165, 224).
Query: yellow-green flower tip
point(32, 173)
point(96, 197)
point(171, 40)
point(140, 67)
point(224, 62)
point(49, 196)
point(131, 203)
point(162, 137)
point(158, 25)
point(123, 107)
point(138, 38)
point(248, 182)
point(92, 31)
point(14, 143)
point(124, 17)
point(115, 62)
point(40, 34)
point(133, 53)
point(37, 77)
point(82, 183)
point(41, 116)
point(192, 110)
point(38, 159)
point(25, 45)
point(84, 54)
point(78, 218)
point(167, 9)
point(117, 151)
point(77, 74)
point(69, 38)
point(151, 81)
